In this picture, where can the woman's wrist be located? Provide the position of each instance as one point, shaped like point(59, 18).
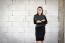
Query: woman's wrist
point(38, 21)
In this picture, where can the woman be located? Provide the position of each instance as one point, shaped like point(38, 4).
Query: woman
point(40, 21)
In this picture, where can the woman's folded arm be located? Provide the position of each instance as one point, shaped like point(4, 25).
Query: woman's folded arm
point(45, 20)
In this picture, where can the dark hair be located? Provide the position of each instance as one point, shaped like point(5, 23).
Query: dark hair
point(42, 10)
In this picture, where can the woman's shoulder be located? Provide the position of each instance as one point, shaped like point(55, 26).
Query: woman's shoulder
point(43, 15)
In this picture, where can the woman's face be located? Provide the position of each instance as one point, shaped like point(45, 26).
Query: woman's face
point(39, 11)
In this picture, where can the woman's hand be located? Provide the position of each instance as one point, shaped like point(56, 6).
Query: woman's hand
point(38, 21)
point(43, 20)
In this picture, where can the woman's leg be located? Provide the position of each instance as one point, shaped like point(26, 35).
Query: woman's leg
point(38, 42)
point(41, 41)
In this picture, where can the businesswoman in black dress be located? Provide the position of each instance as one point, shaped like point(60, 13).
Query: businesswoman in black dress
point(40, 20)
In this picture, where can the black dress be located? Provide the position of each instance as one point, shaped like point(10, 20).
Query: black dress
point(40, 27)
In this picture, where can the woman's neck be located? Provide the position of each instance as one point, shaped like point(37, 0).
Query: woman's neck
point(39, 14)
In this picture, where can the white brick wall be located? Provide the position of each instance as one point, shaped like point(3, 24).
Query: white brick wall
point(16, 21)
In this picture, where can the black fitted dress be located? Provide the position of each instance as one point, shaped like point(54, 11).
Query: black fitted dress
point(40, 27)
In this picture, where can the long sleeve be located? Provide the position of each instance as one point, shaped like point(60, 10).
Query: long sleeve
point(45, 22)
point(34, 20)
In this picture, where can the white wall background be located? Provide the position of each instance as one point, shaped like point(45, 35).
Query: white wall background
point(16, 20)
